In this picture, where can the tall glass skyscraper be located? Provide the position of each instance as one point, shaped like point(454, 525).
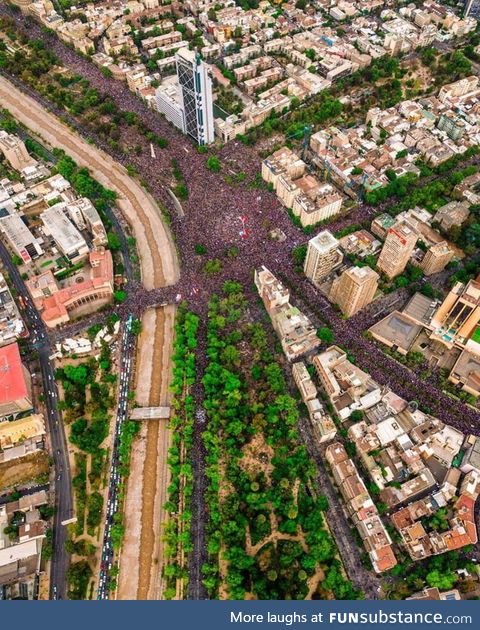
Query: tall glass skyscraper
point(196, 95)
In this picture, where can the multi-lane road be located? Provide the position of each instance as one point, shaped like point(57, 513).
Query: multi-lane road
point(127, 350)
point(63, 493)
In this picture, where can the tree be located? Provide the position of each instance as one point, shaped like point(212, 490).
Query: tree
point(214, 164)
point(326, 335)
point(212, 266)
point(119, 296)
point(113, 241)
point(77, 374)
point(200, 249)
point(299, 254)
point(356, 416)
point(443, 580)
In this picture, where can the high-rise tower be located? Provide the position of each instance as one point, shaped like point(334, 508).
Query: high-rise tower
point(195, 95)
point(354, 289)
point(323, 255)
point(398, 246)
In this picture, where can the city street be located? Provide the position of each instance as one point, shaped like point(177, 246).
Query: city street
point(127, 351)
point(215, 217)
point(62, 486)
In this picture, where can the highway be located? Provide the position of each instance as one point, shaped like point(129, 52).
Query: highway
point(63, 494)
point(127, 350)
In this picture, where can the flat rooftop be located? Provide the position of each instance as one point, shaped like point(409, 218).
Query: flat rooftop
point(420, 308)
point(398, 329)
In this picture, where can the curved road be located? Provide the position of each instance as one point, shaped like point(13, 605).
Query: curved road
point(157, 251)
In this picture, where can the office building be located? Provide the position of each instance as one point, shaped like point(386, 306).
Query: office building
point(323, 255)
point(19, 237)
point(168, 102)
point(436, 258)
point(66, 236)
point(15, 382)
point(196, 96)
point(396, 251)
point(354, 289)
point(472, 8)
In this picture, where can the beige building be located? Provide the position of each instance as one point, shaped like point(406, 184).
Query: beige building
point(58, 306)
point(303, 381)
point(459, 88)
point(396, 251)
point(323, 255)
point(348, 387)
point(323, 426)
point(458, 315)
point(282, 162)
point(466, 373)
point(361, 508)
point(354, 289)
point(15, 431)
point(15, 152)
point(295, 331)
point(326, 204)
point(436, 258)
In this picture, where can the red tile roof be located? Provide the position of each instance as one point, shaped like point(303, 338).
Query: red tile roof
point(12, 380)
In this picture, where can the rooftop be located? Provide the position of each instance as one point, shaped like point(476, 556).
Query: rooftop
point(13, 385)
point(398, 329)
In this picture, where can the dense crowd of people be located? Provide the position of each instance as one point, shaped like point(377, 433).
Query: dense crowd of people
point(214, 216)
point(231, 217)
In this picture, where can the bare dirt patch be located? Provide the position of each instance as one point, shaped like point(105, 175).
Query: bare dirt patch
point(23, 470)
point(257, 455)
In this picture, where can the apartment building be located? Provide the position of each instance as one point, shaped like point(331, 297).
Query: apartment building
point(323, 256)
point(15, 152)
point(283, 162)
point(459, 314)
point(347, 386)
point(295, 331)
point(86, 217)
point(436, 258)
point(323, 426)
point(361, 508)
point(354, 289)
point(397, 249)
point(11, 323)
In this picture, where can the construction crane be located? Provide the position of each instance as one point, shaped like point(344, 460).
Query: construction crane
point(306, 132)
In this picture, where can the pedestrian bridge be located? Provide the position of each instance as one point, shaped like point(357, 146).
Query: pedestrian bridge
point(150, 413)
